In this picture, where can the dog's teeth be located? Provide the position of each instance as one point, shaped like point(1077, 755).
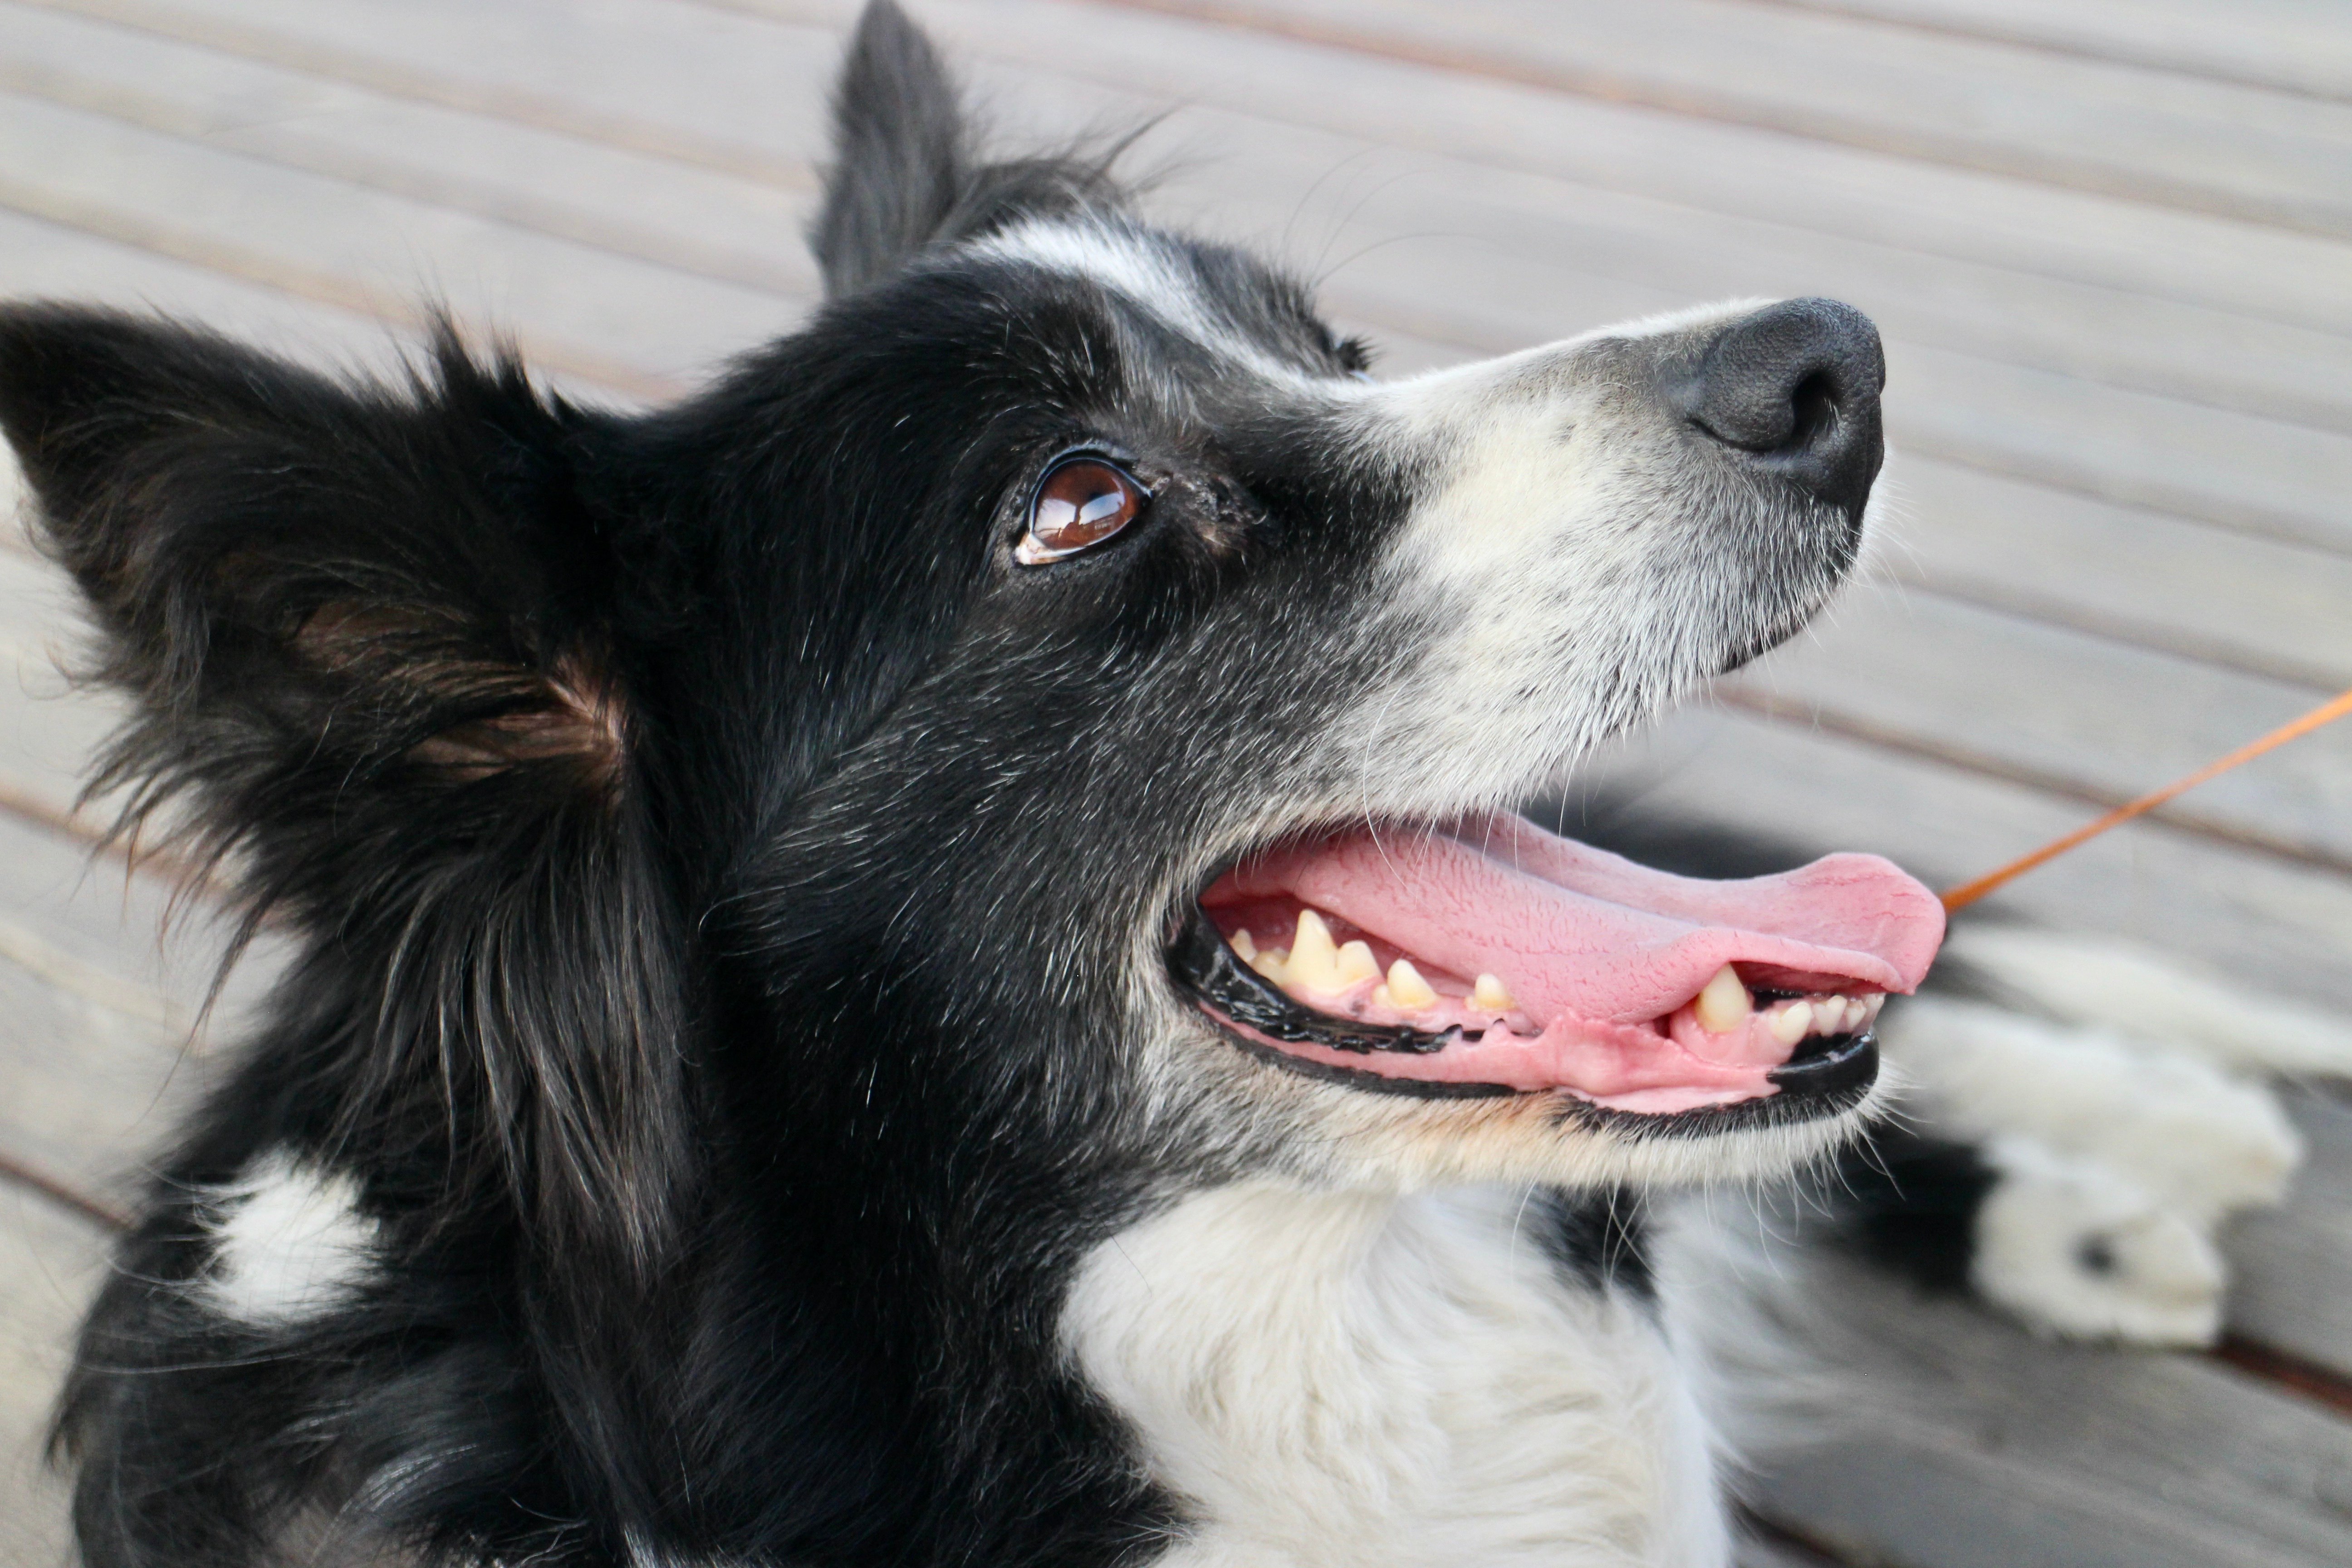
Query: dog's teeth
point(1314, 957)
point(1357, 964)
point(1245, 944)
point(1273, 964)
point(1792, 1023)
point(1381, 998)
point(1829, 1015)
point(1725, 1004)
point(1870, 1006)
point(1489, 994)
point(1407, 989)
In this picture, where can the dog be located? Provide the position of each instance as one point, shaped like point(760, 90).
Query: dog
point(924, 956)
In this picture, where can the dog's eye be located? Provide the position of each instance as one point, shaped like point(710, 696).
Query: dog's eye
point(1081, 504)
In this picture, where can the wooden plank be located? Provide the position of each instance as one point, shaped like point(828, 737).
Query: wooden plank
point(2067, 711)
point(51, 1263)
point(2140, 576)
point(1750, 1551)
point(707, 74)
point(716, 224)
point(1785, 180)
point(2124, 447)
point(612, 318)
point(747, 231)
point(2291, 1286)
point(1947, 1438)
point(104, 1041)
point(2291, 46)
point(42, 260)
point(541, 68)
point(2156, 136)
point(2267, 921)
point(48, 729)
point(96, 1067)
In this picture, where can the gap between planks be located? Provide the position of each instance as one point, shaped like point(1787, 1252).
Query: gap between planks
point(1614, 83)
point(2132, 48)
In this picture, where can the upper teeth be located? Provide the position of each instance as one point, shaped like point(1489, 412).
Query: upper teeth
point(1313, 961)
point(1725, 1004)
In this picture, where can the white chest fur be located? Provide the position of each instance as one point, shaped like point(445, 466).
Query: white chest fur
point(1367, 1381)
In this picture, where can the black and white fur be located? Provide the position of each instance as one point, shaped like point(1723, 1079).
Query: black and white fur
point(727, 1107)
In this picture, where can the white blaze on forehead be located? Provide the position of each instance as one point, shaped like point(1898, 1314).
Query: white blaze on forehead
point(1147, 273)
point(291, 1242)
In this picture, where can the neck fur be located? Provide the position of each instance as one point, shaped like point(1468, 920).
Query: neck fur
point(1376, 1380)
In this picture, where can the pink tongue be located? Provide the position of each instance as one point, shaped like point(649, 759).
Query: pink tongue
point(1576, 931)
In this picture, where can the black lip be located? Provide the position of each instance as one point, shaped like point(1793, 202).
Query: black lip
point(1832, 1075)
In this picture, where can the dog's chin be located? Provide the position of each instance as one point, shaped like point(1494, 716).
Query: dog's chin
point(1527, 1138)
point(1480, 1000)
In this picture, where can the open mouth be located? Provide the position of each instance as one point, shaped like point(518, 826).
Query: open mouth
point(1489, 957)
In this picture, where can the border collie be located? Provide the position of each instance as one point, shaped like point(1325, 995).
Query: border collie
point(922, 958)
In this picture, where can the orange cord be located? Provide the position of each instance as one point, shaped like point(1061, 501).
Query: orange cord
point(1968, 893)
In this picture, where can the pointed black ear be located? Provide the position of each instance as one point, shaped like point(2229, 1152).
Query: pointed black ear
point(905, 172)
point(369, 636)
point(266, 548)
point(900, 153)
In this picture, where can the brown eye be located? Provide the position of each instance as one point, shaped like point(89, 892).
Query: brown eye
point(1083, 502)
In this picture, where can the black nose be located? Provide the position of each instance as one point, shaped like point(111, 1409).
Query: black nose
point(1796, 387)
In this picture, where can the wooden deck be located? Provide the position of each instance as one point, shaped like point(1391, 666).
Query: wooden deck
point(2110, 244)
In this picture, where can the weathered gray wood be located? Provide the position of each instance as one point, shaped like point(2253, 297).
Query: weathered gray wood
point(2292, 1284)
point(745, 230)
point(100, 1049)
point(1753, 1553)
point(2077, 712)
point(51, 1262)
point(1944, 1437)
point(1788, 180)
point(42, 260)
point(708, 76)
point(2268, 922)
point(661, 210)
point(2142, 576)
point(2158, 136)
point(2296, 46)
point(48, 729)
point(588, 311)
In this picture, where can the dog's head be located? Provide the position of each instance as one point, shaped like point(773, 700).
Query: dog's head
point(1055, 706)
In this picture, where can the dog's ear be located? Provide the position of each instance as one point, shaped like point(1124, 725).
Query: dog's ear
point(905, 172)
point(900, 153)
point(370, 639)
